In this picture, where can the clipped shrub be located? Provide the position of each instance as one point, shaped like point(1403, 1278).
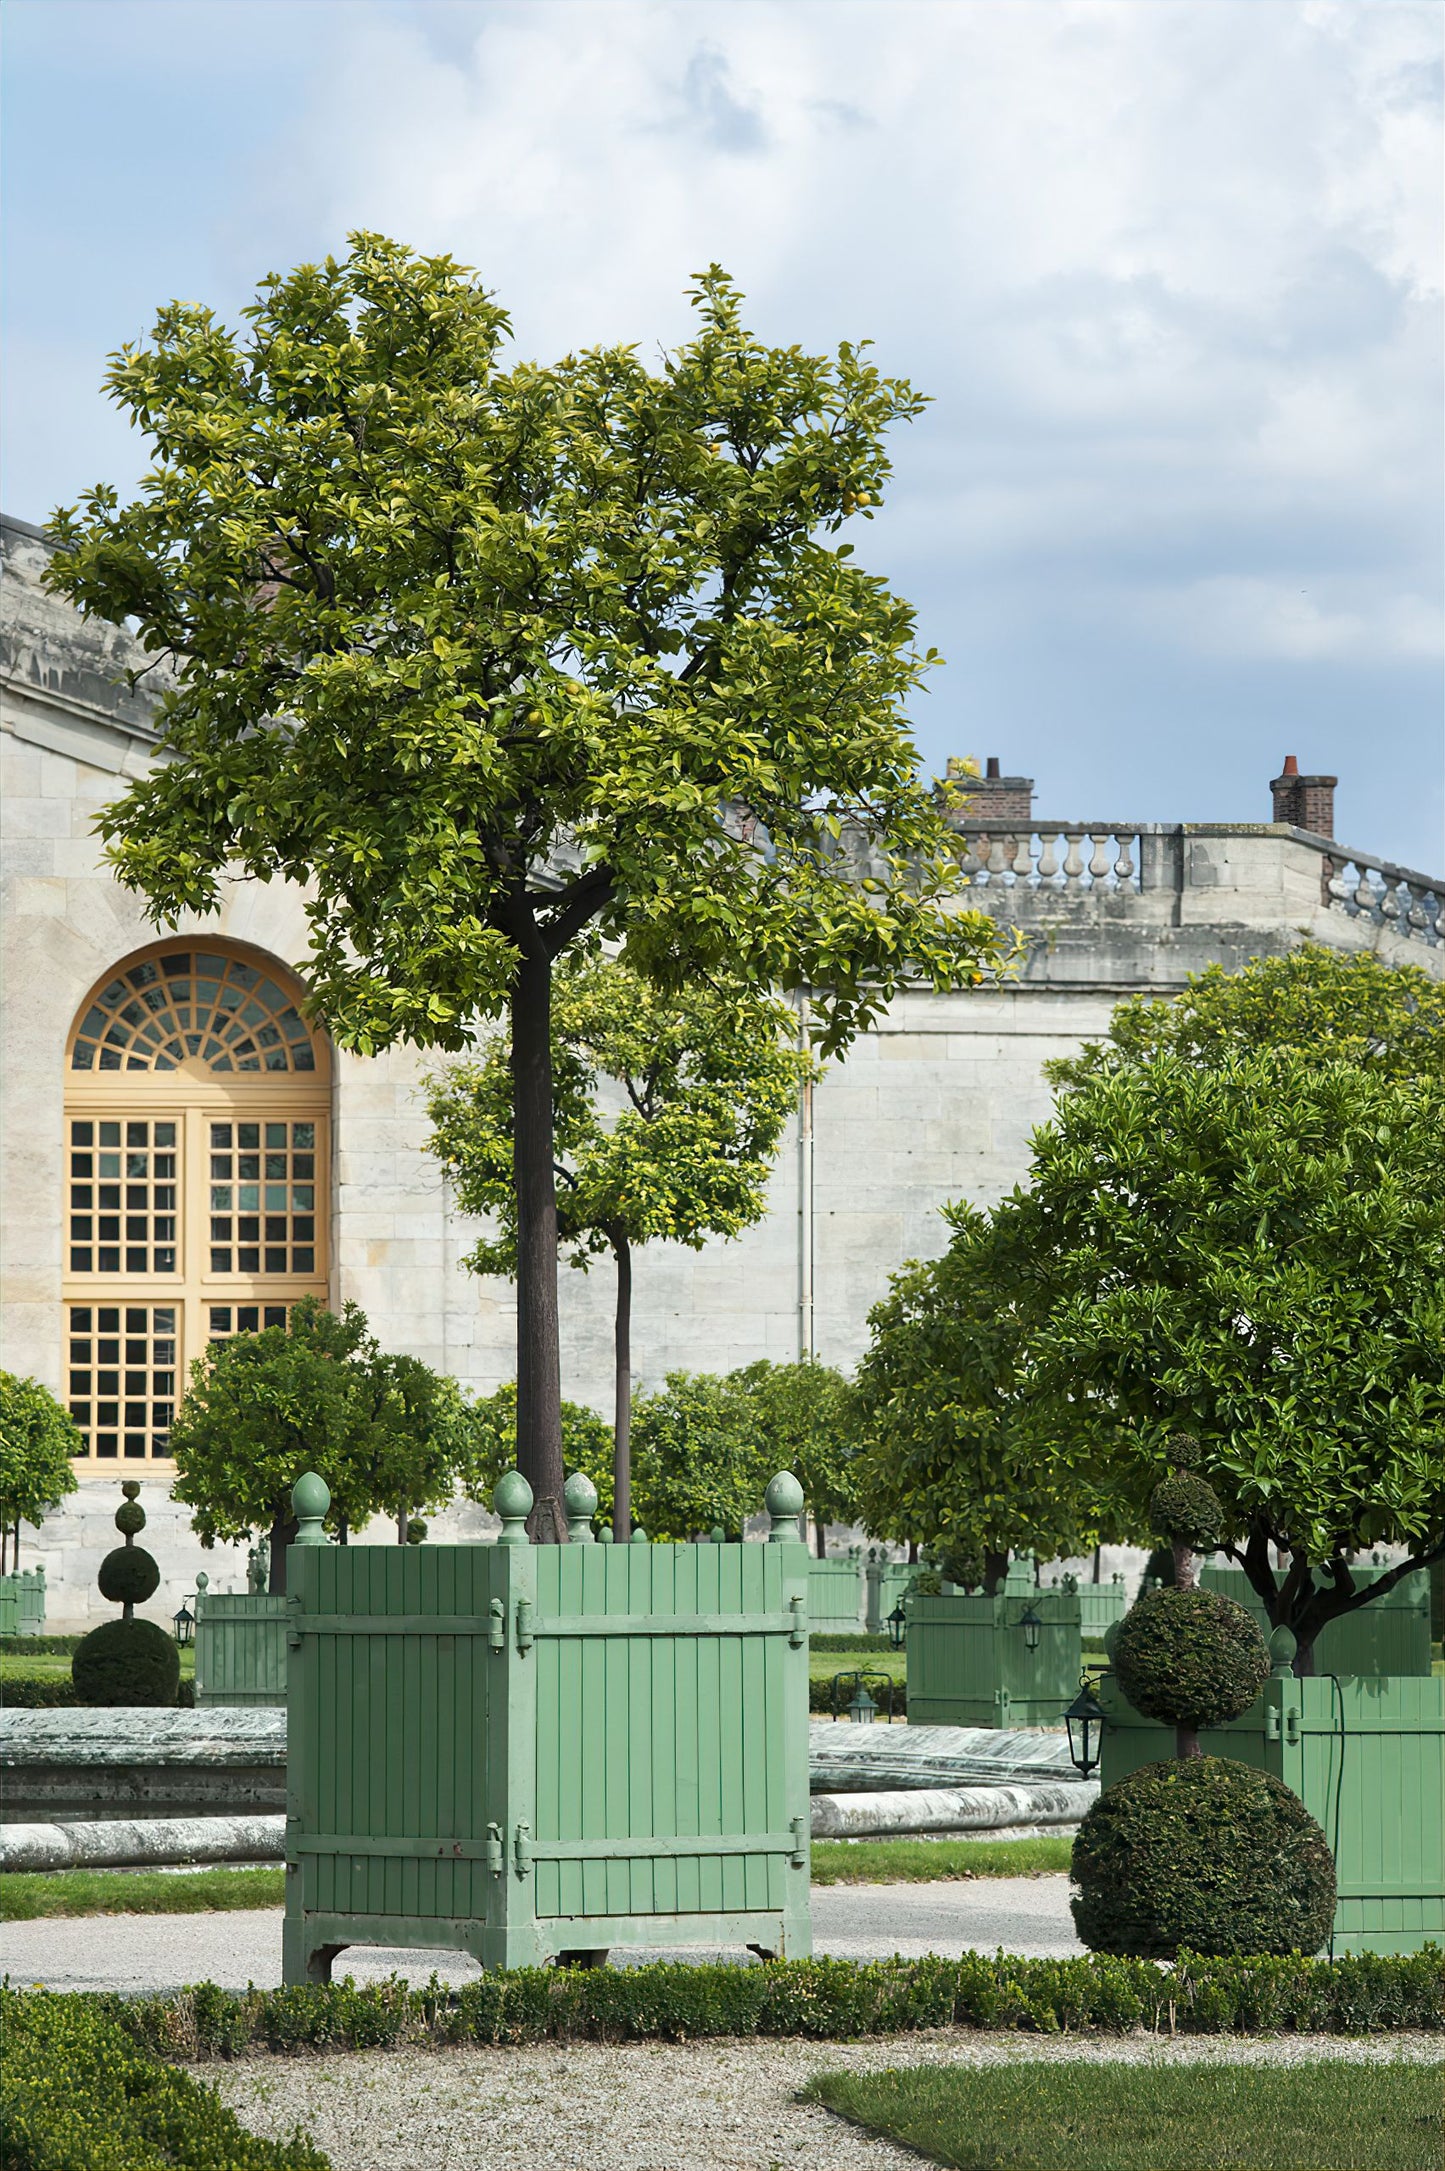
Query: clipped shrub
point(36, 1692)
point(1189, 1658)
point(1185, 1509)
point(79, 2090)
point(1201, 1855)
point(129, 1575)
point(127, 1662)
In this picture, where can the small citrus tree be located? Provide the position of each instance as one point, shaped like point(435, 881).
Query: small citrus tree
point(806, 1420)
point(38, 1441)
point(700, 1079)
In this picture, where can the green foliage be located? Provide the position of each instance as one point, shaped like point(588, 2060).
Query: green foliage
point(806, 1421)
point(129, 1575)
point(318, 1394)
point(439, 618)
point(126, 1662)
point(1185, 1509)
point(488, 1437)
point(1189, 1658)
point(38, 1438)
point(667, 1110)
point(1323, 1005)
point(1255, 1248)
point(838, 1999)
point(78, 2093)
point(697, 1459)
point(1084, 2115)
point(1201, 1855)
point(43, 1692)
point(964, 1451)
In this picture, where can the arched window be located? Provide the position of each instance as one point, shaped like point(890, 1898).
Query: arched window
point(198, 1185)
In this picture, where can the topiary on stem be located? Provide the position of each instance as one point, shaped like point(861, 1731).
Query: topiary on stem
point(1205, 1856)
point(127, 1661)
point(1189, 1658)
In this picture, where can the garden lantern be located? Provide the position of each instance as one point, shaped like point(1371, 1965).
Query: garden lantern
point(897, 1626)
point(1030, 1623)
point(184, 1625)
point(1085, 1720)
point(862, 1711)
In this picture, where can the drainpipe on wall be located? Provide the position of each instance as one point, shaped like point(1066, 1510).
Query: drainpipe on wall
point(805, 1192)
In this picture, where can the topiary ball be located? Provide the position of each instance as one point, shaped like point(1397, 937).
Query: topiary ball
point(1201, 1855)
point(130, 1517)
point(128, 1576)
point(126, 1662)
point(1189, 1658)
point(1185, 1509)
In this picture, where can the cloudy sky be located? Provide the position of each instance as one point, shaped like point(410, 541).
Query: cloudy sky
point(1169, 269)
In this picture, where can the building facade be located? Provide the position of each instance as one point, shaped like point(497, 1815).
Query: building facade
point(184, 1156)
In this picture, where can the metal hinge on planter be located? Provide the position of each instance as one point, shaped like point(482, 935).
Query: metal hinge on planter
point(495, 1850)
point(798, 1633)
point(497, 1625)
point(799, 1826)
point(524, 1624)
point(522, 1850)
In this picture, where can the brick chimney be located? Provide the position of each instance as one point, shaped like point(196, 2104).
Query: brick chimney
point(991, 797)
point(1305, 802)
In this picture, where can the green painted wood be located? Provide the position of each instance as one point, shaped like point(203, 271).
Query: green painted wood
point(835, 1596)
point(22, 1602)
point(240, 1649)
point(1366, 1755)
point(969, 1664)
point(1390, 1635)
point(630, 1766)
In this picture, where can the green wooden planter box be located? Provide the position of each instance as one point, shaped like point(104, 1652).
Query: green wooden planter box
point(1101, 1605)
point(886, 1584)
point(969, 1663)
point(22, 1602)
point(835, 1597)
point(1366, 1756)
point(528, 1752)
point(240, 1648)
point(1390, 1635)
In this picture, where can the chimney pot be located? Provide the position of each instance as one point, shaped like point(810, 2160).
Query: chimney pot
point(1291, 766)
point(992, 770)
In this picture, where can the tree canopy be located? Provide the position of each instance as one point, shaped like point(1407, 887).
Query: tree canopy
point(317, 1394)
point(963, 1445)
point(1328, 1005)
point(806, 1420)
point(488, 1433)
point(699, 1461)
point(491, 658)
point(38, 1439)
point(1253, 1252)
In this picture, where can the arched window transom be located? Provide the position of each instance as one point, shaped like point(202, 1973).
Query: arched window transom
point(193, 1006)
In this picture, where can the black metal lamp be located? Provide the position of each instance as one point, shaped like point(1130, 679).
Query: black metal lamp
point(1031, 1625)
point(184, 1625)
point(862, 1711)
point(897, 1626)
point(1085, 1718)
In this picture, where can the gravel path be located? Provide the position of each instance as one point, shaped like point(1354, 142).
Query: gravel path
point(1027, 1915)
point(651, 2106)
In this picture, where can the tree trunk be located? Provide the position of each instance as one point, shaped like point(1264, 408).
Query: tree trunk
point(1304, 1661)
point(403, 1521)
point(913, 1552)
point(539, 1370)
point(1098, 1551)
point(622, 1394)
point(1186, 1578)
point(283, 1531)
point(995, 1573)
point(820, 1537)
point(1186, 1742)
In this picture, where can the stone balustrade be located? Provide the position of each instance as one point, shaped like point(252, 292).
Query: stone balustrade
point(1186, 873)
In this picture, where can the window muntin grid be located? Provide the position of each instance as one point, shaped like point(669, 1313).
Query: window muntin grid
point(123, 1196)
point(193, 1007)
point(262, 1197)
point(121, 1377)
point(224, 1321)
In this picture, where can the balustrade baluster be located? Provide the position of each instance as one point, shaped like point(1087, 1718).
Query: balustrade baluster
point(1048, 857)
point(1366, 895)
point(998, 859)
point(1124, 864)
point(1073, 864)
point(1099, 858)
point(1023, 860)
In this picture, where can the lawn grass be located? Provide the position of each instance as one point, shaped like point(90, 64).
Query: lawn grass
point(27, 1895)
point(932, 1861)
point(1319, 2116)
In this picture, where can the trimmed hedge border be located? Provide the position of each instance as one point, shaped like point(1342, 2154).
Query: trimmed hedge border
point(32, 1646)
point(36, 1692)
point(79, 2093)
point(824, 1999)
